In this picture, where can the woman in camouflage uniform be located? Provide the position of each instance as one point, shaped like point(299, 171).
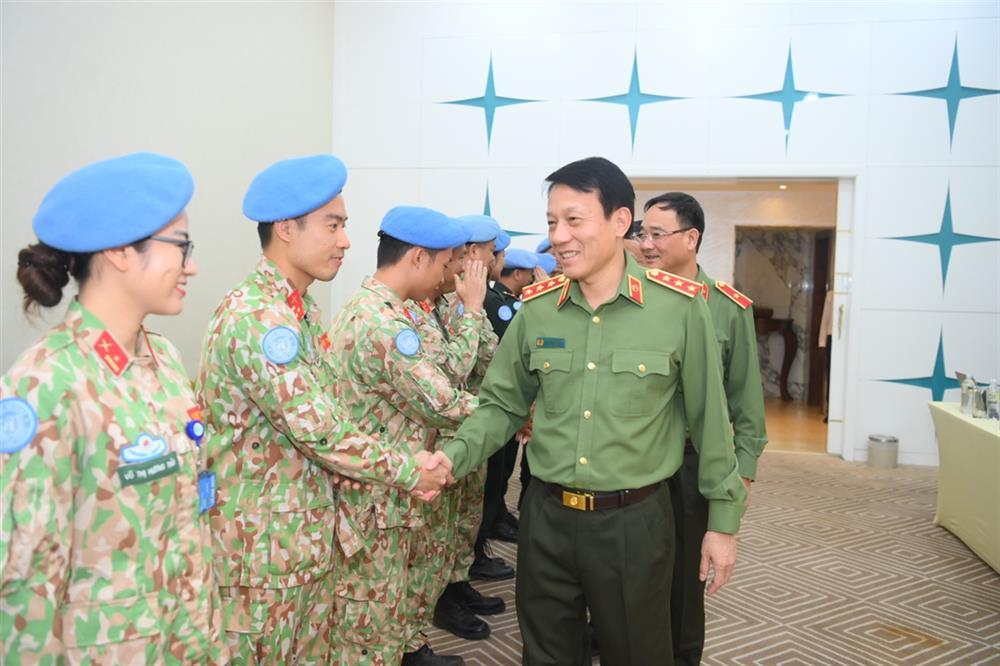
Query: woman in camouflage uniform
point(104, 549)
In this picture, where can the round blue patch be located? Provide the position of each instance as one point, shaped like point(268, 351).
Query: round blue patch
point(461, 309)
point(505, 313)
point(407, 342)
point(18, 424)
point(517, 305)
point(281, 345)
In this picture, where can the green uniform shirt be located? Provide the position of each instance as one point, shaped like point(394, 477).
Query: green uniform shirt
point(105, 553)
point(607, 380)
point(737, 339)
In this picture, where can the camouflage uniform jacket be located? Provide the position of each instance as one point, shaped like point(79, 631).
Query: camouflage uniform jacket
point(267, 382)
point(394, 389)
point(103, 546)
point(488, 340)
point(452, 342)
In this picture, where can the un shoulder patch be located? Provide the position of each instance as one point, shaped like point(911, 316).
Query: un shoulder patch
point(505, 313)
point(407, 342)
point(280, 345)
point(18, 424)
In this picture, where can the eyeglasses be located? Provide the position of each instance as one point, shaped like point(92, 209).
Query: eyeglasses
point(187, 246)
point(657, 235)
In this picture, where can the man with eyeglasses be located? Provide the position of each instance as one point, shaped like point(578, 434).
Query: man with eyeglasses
point(673, 229)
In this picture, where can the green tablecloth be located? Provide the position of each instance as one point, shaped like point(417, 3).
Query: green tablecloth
point(969, 479)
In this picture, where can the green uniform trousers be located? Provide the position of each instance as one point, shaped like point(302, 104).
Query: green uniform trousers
point(616, 562)
point(687, 597)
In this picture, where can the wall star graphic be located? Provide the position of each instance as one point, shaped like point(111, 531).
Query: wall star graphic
point(634, 99)
point(953, 93)
point(946, 239)
point(938, 382)
point(789, 96)
point(490, 102)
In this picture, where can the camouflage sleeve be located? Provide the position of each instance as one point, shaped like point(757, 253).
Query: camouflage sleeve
point(37, 511)
point(488, 341)
point(301, 405)
point(461, 352)
point(408, 377)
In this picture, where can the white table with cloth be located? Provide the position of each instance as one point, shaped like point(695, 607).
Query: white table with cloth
point(969, 479)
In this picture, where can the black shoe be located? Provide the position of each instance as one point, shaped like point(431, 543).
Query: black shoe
point(504, 532)
point(425, 657)
point(485, 567)
point(451, 616)
point(472, 599)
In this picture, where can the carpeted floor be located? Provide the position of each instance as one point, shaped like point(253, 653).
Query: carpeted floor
point(838, 564)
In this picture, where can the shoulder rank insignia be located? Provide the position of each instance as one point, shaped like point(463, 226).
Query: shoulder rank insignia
point(543, 287)
point(689, 288)
point(635, 289)
point(294, 301)
point(736, 296)
point(111, 353)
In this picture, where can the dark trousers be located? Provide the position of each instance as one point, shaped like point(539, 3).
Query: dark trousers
point(499, 467)
point(687, 598)
point(525, 477)
point(616, 562)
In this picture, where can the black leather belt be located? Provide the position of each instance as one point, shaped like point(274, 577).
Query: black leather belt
point(597, 500)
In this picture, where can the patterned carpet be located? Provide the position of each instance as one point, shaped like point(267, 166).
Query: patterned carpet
point(838, 564)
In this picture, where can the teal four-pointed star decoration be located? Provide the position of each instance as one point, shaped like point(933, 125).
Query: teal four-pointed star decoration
point(490, 102)
point(945, 239)
point(789, 96)
point(938, 382)
point(634, 99)
point(486, 204)
point(953, 93)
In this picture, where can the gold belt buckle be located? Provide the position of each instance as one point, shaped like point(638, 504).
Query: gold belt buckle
point(578, 501)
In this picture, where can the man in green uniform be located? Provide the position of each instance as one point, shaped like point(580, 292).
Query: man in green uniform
point(605, 349)
point(277, 429)
point(394, 389)
point(673, 230)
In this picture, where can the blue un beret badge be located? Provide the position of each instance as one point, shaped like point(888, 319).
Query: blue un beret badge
point(281, 345)
point(505, 313)
point(18, 424)
point(407, 342)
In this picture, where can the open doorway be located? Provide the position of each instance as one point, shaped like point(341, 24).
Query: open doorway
point(775, 241)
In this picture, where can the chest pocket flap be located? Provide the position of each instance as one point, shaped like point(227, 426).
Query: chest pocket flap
point(553, 367)
point(640, 363)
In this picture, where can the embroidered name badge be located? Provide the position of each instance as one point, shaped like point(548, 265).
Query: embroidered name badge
point(18, 424)
point(146, 447)
point(550, 343)
point(407, 342)
point(280, 345)
point(505, 313)
point(144, 472)
point(206, 491)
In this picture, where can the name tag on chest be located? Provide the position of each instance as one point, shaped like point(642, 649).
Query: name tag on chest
point(149, 470)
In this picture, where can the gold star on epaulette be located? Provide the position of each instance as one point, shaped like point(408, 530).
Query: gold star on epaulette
point(689, 288)
point(544, 287)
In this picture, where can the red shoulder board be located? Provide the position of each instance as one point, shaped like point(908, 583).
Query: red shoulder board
point(736, 296)
point(543, 287)
point(689, 288)
point(426, 306)
point(111, 353)
point(635, 289)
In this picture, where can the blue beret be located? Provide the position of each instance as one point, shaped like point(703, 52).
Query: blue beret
point(423, 227)
point(114, 202)
point(515, 258)
point(546, 261)
point(292, 188)
point(482, 228)
point(544, 246)
point(503, 242)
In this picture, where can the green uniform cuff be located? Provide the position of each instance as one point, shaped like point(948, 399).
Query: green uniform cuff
point(746, 462)
point(724, 515)
point(457, 453)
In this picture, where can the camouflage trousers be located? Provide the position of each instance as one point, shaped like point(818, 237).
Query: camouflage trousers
point(280, 625)
point(431, 563)
point(370, 621)
point(466, 519)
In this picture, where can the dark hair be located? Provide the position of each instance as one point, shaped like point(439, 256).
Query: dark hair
point(265, 230)
point(687, 208)
point(43, 271)
point(596, 173)
point(391, 250)
point(634, 230)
